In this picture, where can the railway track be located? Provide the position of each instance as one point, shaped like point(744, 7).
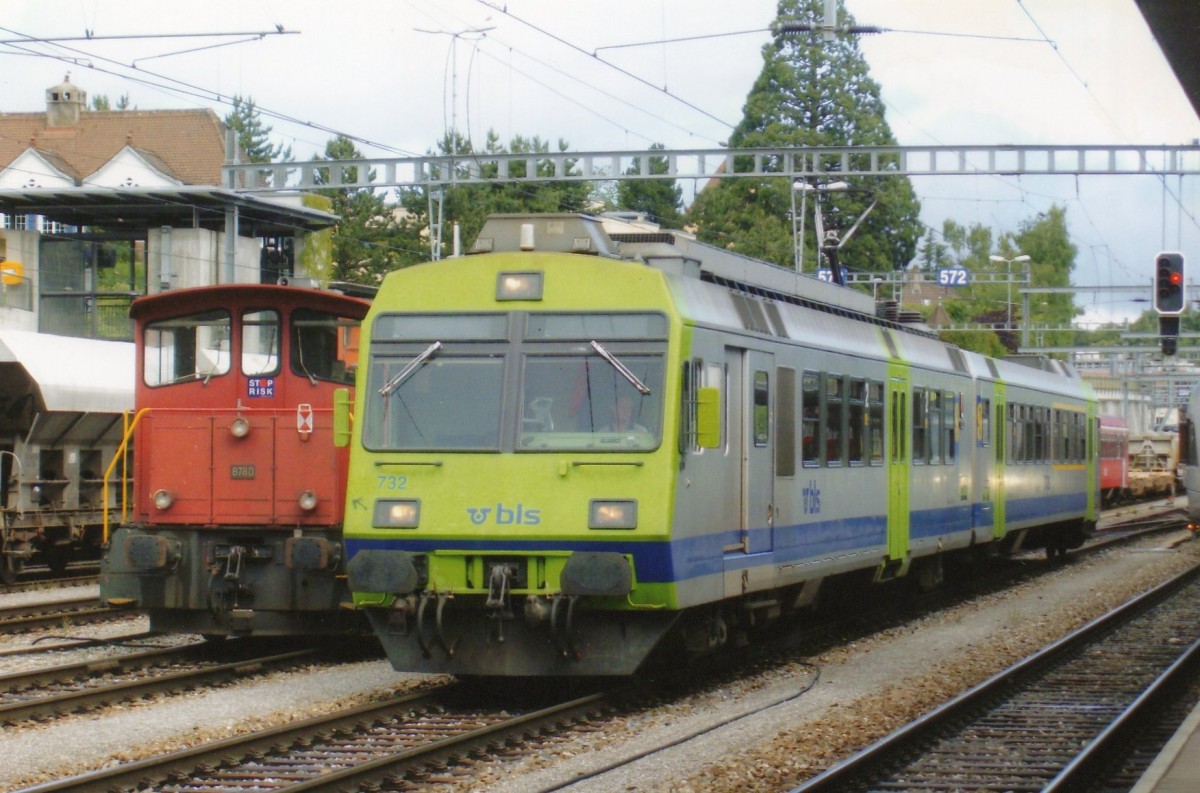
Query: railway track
point(410, 737)
point(38, 616)
point(1055, 721)
point(72, 688)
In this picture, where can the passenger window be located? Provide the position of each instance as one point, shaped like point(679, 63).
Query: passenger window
point(875, 423)
point(950, 420)
point(811, 417)
point(785, 422)
point(857, 424)
point(761, 408)
point(935, 427)
point(834, 418)
point(920, 428)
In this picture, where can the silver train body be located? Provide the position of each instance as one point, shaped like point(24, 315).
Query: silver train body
point(847, 443)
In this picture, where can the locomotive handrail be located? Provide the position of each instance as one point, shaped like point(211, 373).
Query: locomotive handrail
point(119, 454)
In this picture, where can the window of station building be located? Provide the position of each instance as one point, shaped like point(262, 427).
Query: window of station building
point(185, 349)
point(260, 343)
point(810, 409)
point(835, 416)
point(856, 425)
point(875, 423)
point(785, 421)
point(920, 427)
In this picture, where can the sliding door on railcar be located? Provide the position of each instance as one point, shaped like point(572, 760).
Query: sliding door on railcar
point(750, 388)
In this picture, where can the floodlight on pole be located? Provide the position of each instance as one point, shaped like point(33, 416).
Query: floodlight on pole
point(1010, 262)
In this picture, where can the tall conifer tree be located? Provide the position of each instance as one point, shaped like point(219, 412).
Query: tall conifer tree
point(812, 92)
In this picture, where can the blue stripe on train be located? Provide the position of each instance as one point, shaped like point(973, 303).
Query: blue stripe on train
point(694, 557)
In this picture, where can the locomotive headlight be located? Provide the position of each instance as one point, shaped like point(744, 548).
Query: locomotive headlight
point(240, 428)
point(612, 514)
point(163, 499)
point(308, 501)
point(519, 286)
point(397, 514)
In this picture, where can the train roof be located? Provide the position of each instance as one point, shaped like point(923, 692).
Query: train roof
point(673, 251)
point(194, 298)
point(71, 374)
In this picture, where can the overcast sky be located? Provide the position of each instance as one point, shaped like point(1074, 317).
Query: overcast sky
point(978, 72)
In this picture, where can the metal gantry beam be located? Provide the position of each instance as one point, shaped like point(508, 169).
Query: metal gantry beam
point(793, 162)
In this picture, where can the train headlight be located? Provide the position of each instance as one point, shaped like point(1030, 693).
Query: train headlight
point(308, 501)
point(240, 428)
point(519, 286)
point(163, 499)
point(397, 514)
point(612, 514)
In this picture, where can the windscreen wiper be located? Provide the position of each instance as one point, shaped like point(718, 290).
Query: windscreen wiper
point(620, 367)
point(391, 385)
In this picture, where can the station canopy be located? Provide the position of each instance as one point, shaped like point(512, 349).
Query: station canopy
point(179, 207)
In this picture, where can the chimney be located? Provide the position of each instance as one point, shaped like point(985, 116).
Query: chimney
point(64, 103)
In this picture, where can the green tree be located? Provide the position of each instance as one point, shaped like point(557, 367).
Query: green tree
point(369, 239)
point(1047, 242)
point(659, 199)
point(254, 137)
point(469, 205)
point(101, 102)
point(811, 92)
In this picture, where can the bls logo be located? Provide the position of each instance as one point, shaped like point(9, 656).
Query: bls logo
point(520, 515)
point(812, 498)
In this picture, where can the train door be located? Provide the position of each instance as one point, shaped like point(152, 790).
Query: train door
point(899, 456)
point(999, 449)
point(750, 387)
point(984, 466)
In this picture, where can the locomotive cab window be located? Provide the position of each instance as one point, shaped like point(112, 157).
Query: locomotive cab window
point(187, 348)
point(260, 343)
point(319, 348)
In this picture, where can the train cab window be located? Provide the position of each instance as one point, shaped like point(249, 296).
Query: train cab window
point(425, 399)
point(187, 348)
point(835, 415)
point(874, 430)
point(318, 350)
point(920, 427)
point(584, 402)
point(810, 429)
point(856, 425)
point(260, 343)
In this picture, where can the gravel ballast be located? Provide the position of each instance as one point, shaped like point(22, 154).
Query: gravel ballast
point(858, 693)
